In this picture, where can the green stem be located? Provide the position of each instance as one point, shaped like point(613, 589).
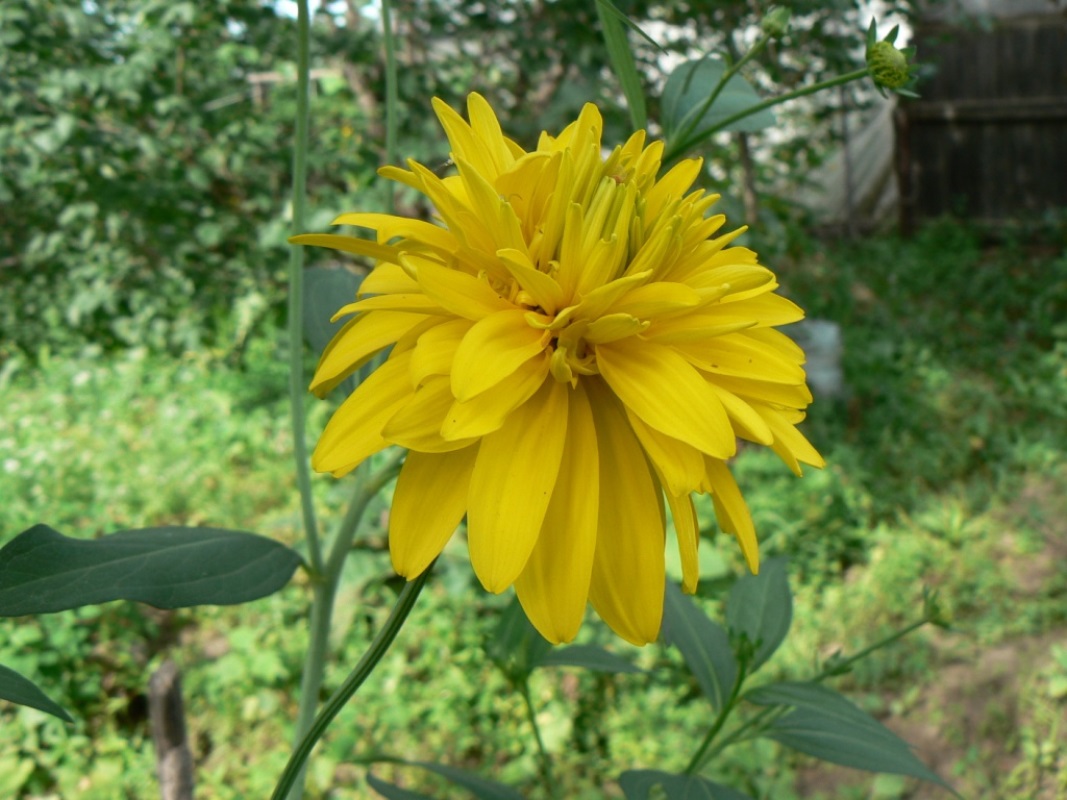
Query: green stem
point(296, 293)
point(696, 116)
point(324, 592)
point(698, 759)
point(378, 648)
point(754, 726)
point(392, 100)
point(675, 151)
point(545, 760)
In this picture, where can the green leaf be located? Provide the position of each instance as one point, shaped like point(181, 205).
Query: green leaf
point(325, 292)
point(391, 791)
point(703, 644)
point(23, 691)
point(168, 567)
point(638, 783)
point(612, 9)
point(692, 82)
point(515, 646)
point(622, 61)
point(482, 788)
point(761, 607)
point(588, 656)
point(825, 724)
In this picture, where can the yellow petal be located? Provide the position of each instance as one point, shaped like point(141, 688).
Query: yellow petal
point(789, 443)
point(661, 388)
point(655, 299)
point(417, 424)
point(542, 288)
point(628, 566)
point(436, 349)
point(486, 412)
point(512, 484)
point(388, 279)
point(492, 349)
point(346, 244)
point(464, 143)
point(356, 343)
point(680, 465)
point(612, 328)
point(688, 534)
point(390, 227)
point(747, 422)
point(732, 510)
point(487, 132)
point(415, 302)
point(742, 356)
point(429, 501)
point(354, 432)
point(460, 293)
point(554, 586)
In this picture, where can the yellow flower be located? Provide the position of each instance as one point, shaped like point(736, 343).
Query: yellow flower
point(571, 345)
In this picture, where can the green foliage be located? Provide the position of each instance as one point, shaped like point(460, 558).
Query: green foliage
point(42, 571)
point(17, 689)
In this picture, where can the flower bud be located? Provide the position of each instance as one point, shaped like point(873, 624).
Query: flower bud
point(888, 66)
point(776, 23)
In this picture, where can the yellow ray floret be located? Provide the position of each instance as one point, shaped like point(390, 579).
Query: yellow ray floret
point(575, 348)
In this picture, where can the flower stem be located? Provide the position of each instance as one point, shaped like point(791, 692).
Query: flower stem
point(546, 761)
point(296, 294)
point(324, 591)
point(675, 151)
point(378, 648)
point(698, 115)
point(392, 100)
point(699, 757)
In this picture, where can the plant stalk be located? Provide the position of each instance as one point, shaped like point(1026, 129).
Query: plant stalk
point(675, 151)
point(296, 294)
point(545, 760)
point(378, 648)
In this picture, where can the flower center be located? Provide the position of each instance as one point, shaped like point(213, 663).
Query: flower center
point(572, 355)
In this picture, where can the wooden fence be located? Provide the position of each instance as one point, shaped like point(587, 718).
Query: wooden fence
point(988, 139)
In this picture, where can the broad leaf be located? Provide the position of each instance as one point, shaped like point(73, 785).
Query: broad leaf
point(703, 643)
point(825, 724)
point(515, 646)
point(638, 783)
point(326, 291)
point(761, 607)
point(692, 82)
point(23, 691)
point(391, 791)
point(169, 567)
point(588, 656)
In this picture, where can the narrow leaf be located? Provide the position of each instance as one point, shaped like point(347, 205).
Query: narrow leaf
point(588, 656)
point(390, 791)
point(482, 788)
point(825, 724)
point(23, 691)
point(613, 9)
point(637, 784)
point(692, 82)
point(325, 292)
point(703, 644)
point(168, 567)
point(761, 607)
point(622, 61)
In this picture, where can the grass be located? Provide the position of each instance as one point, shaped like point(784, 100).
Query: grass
point(947, 469)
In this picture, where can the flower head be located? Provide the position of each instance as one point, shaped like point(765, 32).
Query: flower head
point(575, 342)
